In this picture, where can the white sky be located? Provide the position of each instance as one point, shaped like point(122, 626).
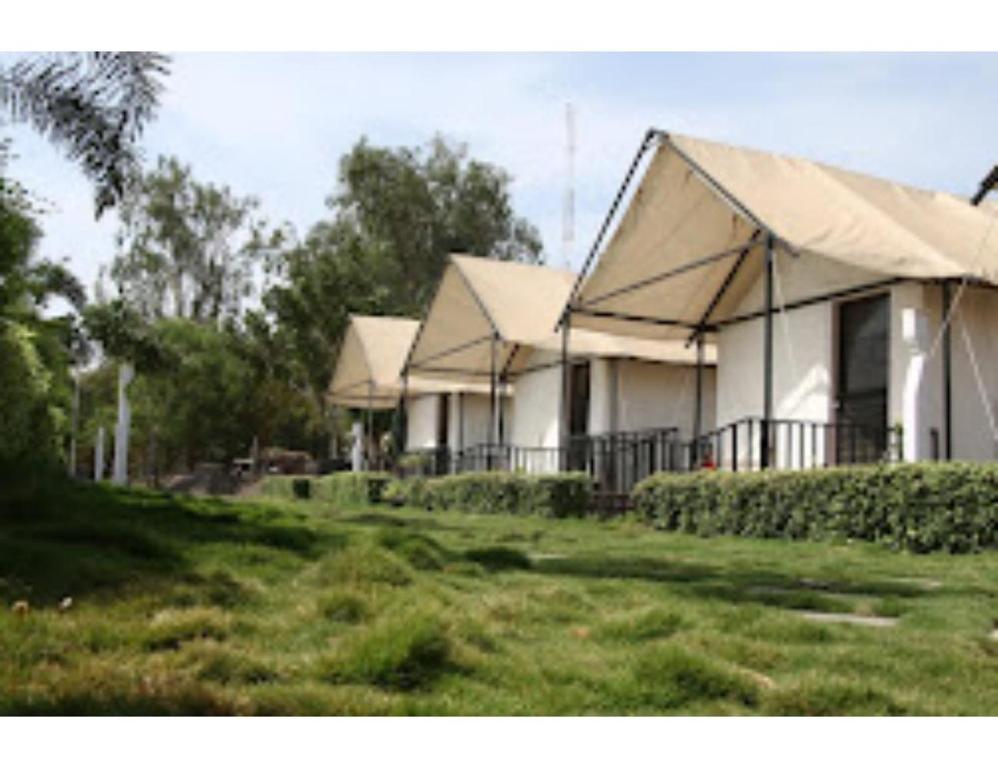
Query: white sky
point(275, 125)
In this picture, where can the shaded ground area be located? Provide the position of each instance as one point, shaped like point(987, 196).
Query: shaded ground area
point(199, 605)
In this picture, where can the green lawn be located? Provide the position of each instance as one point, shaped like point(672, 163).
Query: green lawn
point(207, 606)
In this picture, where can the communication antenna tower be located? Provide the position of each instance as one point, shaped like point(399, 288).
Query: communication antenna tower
point(568, 208)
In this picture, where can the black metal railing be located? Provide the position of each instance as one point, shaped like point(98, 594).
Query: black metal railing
point(617, 461)
point(794, 444)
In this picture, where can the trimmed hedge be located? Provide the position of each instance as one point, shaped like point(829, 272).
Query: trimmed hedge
point(348, 488)
point(951, 507)
point(351, 487)
point(568, 494)
point(287, 486)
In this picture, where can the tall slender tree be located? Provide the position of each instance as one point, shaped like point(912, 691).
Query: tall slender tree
point(187, 249)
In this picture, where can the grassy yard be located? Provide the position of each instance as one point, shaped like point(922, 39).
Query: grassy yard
point(206, 606)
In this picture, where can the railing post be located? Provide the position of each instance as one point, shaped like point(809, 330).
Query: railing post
point(767, 394)
point(800, 438)
point(492, 399)
point(947, 373)
point(734, 447)
point(698, 408)
point(566, 393)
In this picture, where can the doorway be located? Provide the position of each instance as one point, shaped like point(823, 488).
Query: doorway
point(864, 370)
point(442, 458)
point(578, 415)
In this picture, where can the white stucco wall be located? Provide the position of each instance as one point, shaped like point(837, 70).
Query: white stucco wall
point(536, 407)
point(625, 395)
point(805, 351)
point(421, 414)
point(468, 424)
point(804, 356)
point(655, 395)
point(974, 409)
point(926, 299)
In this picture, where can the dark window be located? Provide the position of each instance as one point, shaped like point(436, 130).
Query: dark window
point(443, 416)
point(864, 346)
point(579, 402)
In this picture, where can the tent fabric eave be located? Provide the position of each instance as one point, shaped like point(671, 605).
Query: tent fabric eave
point(678, 215)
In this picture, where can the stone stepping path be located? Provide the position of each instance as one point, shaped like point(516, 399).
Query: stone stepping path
point(918, 581)
point(849, 618)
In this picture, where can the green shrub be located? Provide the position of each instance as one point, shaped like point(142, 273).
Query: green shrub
point(30, 418)
point(351, 488)
point(568, 494)
point(562, 495)
point(341, 488)
point(301, 487)
point(920, 507)
point(407, 492)
point(287, 486)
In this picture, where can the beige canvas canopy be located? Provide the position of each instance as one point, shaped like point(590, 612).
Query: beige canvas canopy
point(692, 238)
point(369, 365)
point(485, 307)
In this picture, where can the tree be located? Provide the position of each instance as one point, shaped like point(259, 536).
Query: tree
point(35, 352)
point(397, 215)
point(411, 208)
point(186, 249)
point(92, 105)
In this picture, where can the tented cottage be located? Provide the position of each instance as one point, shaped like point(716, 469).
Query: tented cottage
point(493, 323)
point(827, 293)
point(368, 378)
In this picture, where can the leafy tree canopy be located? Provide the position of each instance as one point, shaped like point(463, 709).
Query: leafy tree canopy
point(187, 249)
point(395, 218)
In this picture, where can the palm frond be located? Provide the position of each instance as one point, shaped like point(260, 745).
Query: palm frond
point(92, 105)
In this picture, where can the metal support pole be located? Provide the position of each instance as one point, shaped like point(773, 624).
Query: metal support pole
point(492, 401)
point(460, 421)
point(698, 409)
point(947, 374)
point(369, 453)
point(502, 415)
point(75, 424)
point(566, 393)
point(404, 414)
point(767, 392)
